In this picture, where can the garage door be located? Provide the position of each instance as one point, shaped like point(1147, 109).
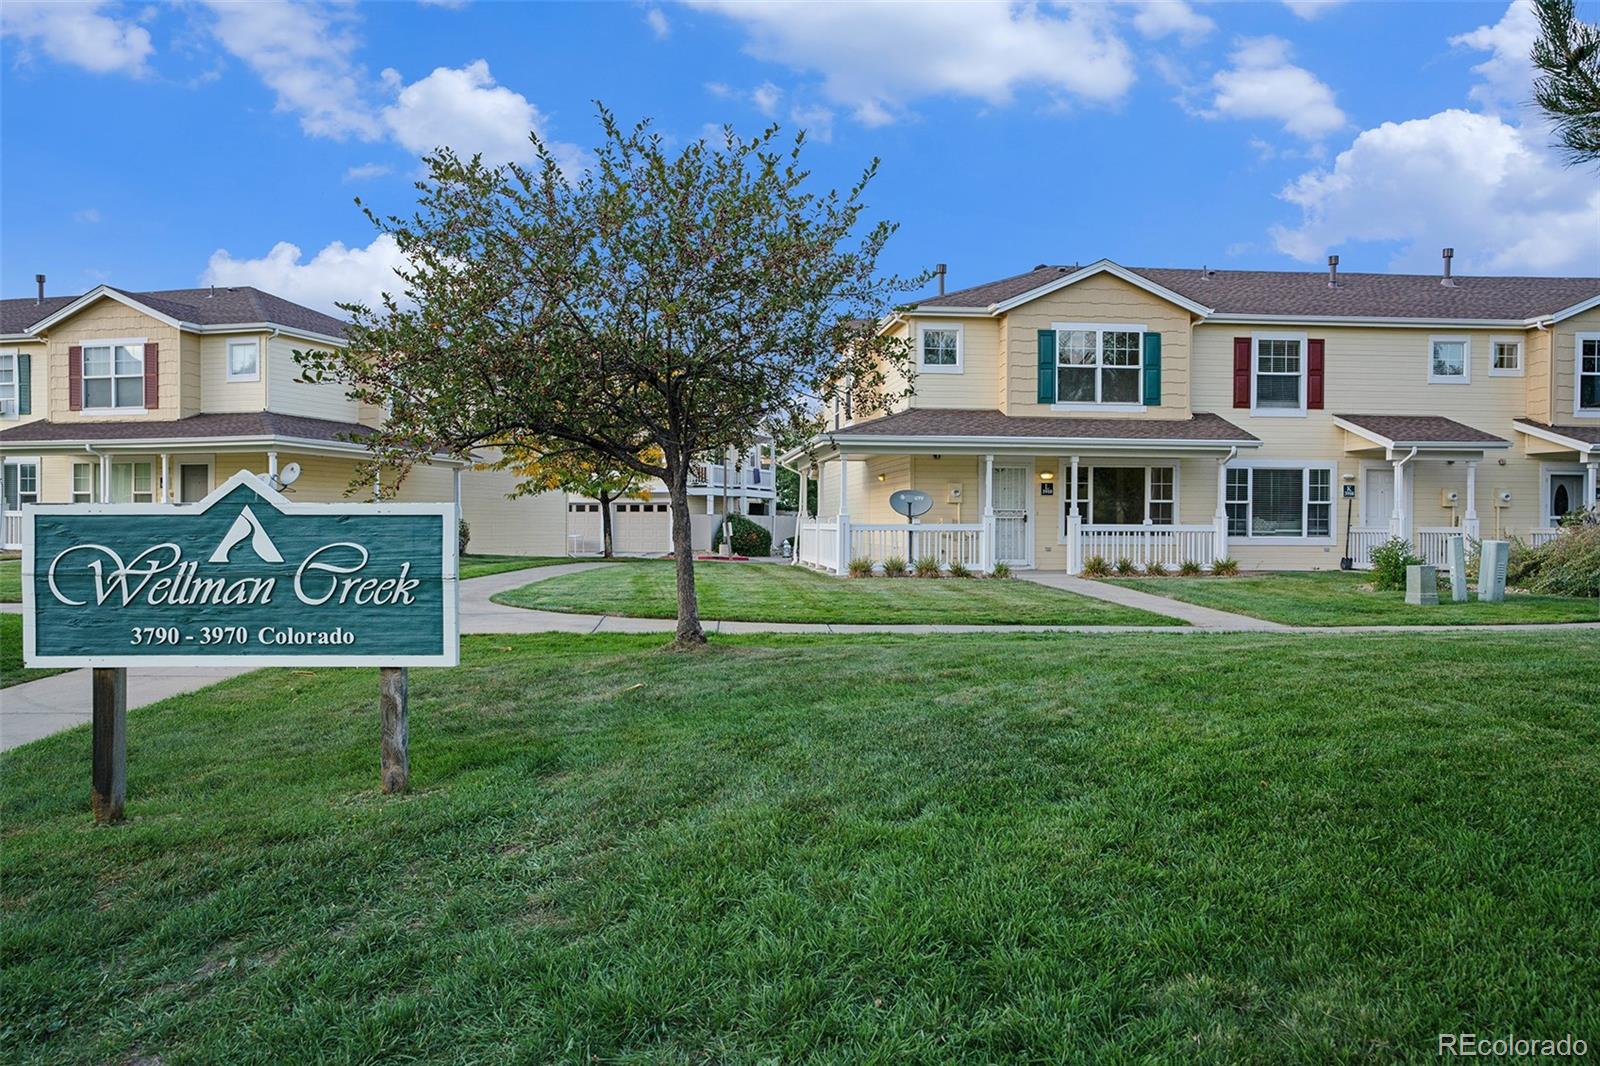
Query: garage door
point(636, 528)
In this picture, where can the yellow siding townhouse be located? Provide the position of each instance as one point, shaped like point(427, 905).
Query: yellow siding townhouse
point(1288, 420)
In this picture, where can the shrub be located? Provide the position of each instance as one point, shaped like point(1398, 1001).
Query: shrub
point(1096, 566)
point(1225, 567)
point(1190, 568)
point(1569, 565)
point(463, 535)
point(1125, 566)
point(1155, 569)
point(959, 569)
point(1389, 562)
point(894, 566)
point(860, 567)
point(927, 566)
point(1522, 563)
point(1000, 570)
point(749, 538)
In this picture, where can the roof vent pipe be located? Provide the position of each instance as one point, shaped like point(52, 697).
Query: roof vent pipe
point(1333, 271)
point(1449, 254)
point(938, 270)
point(40, 279)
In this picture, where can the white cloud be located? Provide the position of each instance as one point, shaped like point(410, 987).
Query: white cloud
point(1262, 83)
point(79, 34)
point(304, 53)
point(336, 273)
point(1163, 18)
point(978, 50)
point(1508, 72)
point(766, 97)
point(367, 171)
point(815, 119)
point(1311, 9)
point(464, 109)
point(88, 216)
point(657, 21)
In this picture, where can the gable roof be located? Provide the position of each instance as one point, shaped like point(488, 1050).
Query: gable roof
point(220, 306)
point(1306, 294)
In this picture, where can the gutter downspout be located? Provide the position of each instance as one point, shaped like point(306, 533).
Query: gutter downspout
point(800, 511)
point(101, 472)
point(1399, 483)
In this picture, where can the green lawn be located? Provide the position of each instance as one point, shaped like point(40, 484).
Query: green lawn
point(767, 592)
point(1338, 598)
point(11, 670)
point(484, 565)
point(10, 580)
point(1160, 848)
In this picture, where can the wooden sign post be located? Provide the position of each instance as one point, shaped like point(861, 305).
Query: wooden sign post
point(393, 758)
point(109, 778)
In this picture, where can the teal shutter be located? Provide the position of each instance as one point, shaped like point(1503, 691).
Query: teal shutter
point(1152, 369)
point(24, 383)
point(1047, 366)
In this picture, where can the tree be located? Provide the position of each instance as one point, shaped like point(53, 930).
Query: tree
point(583, 472)
point(788, 485)
point(677, 300)
point(1567, 54)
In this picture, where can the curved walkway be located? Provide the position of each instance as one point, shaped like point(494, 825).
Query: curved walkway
point(39, 708)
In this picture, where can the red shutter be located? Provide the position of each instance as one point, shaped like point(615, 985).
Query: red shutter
point(1314, 355)
point(75, 378)
point(1241, 372)
point(152, 375)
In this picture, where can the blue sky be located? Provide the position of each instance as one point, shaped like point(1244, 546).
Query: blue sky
point(165, 146)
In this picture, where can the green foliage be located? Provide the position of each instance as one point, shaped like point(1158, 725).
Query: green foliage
point(1190, 568)
point(959, 569)
point(860, 566)
point(927, 566)
point(788, 486)
point(1001, 570)
point(1155, 569)
point(894, 566)
point(1567, 565)
point(1389, 562)
point(1225, 568)
point(749, 538)
point(1096, 566)
point(1125, 566)
point(1567, 55)
point(463, 535)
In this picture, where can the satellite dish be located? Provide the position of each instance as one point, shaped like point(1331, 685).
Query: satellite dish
point(289, 474)
point(911, 502)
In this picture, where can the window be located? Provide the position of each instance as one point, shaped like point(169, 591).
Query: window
point(130, 482)
point(1099, 364)
point(1278, 373)
point(1162, 495)
point(1126, 495)
point(244, 361)
point(941, 349)
point(1505, 358)
point(1587, 395)
point(8, 384)
point(1271, 501)
point(1449, 360)
point(21, 483)
point(113, 374)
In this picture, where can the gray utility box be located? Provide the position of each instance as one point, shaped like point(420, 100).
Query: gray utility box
point(1492, 557)
point(1422, 585)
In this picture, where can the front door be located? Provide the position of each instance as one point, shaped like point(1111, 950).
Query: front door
point(1566, 496)
point(194, 481)
point(1377, 506)
point(1011, 516)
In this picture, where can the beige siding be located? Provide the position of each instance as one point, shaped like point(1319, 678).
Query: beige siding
point(38, 380)
point(528, 525)
point(1563, 339)
point(287, 393)
point(1102, 298)
point(1539, 381)
point(217, 393)
point(108, 320)
point(978, 383)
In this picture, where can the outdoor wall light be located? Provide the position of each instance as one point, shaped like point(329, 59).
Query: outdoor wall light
point(880, 477)
point(1046, 475)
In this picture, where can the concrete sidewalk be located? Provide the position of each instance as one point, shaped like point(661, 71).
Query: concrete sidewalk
point(39, 708)
point(1194, 615)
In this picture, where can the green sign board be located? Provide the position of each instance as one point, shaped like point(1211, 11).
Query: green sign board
point(243, 578)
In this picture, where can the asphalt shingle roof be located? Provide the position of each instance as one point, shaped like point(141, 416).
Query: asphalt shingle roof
point(238, 424)
point(967, 422)
point(223, 305)
point(1283, 292)
point(1422, 429)
point(1588, 433)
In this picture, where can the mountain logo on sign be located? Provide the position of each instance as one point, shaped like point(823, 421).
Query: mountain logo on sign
point(247, 525)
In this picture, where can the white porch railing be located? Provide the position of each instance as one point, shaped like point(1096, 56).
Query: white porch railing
point(1434, 545)
point(818, 544)
point(1362, 541)
point(1171, 546)
point(1537, 537)
point(949, 543)
point(13, 531)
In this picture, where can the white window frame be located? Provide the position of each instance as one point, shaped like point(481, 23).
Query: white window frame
point(1465, 377)
point(1494, 344)
point(15, 397)
point(20, 461)
point(227, 356)
point(1305, 466)
point(1549, 471)
point(1305, 374)
point(923, 329)
point(1100, 329)
point(93, 493)
point(1086, 466)
point(1579, 411)
point(112, 411)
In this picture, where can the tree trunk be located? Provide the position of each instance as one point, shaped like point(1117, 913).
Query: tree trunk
point(605, 525)
point(689, 633)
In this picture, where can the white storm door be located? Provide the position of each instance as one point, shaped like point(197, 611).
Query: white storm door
point(1377, 507)
point(1011, 535)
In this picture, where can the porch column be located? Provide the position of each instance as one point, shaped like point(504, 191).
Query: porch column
point(1219, 520)
point(1074, 542)
point(844, 516)
point(988, 553)
point(1397, 517)
point(1592, 483)
point(804, 473)
point(105, 478)
point(1470, 526)
point(272, 464)
point(166, 466)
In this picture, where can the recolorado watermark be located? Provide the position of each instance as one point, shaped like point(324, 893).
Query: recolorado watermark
point(1471, 1045)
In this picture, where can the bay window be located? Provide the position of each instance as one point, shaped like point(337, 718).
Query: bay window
point(1279, 501)
point(113, 374)
point(1099, 364)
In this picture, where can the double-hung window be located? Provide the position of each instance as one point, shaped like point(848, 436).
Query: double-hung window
point(1505, 357)
point(130, 482)
point(244, 361)
point(939, 349)
point(1449, 360)
point(1586, 396)
point(1273, 501)
point(1279, 372)
point(1099, 364)
point(113, 375)
point(8, 384)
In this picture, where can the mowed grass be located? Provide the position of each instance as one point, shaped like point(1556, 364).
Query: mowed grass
point(11, 668)
point(1342, 598)
point(484, 565)
point(768, 592)
point(1165, 848)
point(10, 580)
